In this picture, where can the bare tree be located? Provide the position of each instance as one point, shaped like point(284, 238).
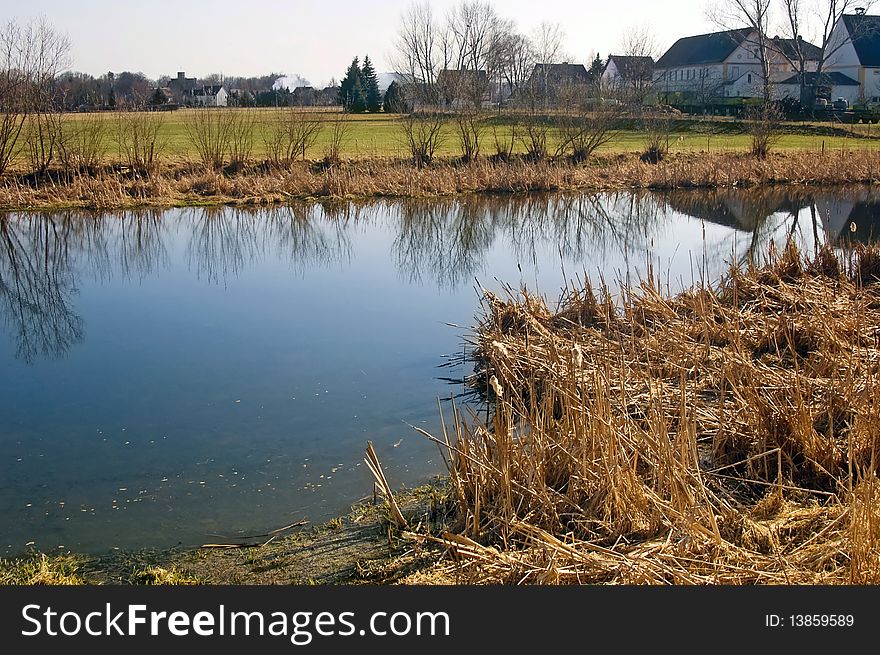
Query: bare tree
point(423, 135)
point(419, 53)
point(636, 80)
point(82, 143)
point(547, 42)
point(586, 127)
point(814, 20)
point(754, 14)
point(514, 61)
point(138, 139)
point(31, 56)
point(291, 134)
point(340, 127)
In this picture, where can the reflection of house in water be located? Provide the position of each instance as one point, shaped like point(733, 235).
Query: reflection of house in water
point(852, 216)
point(844, 216)
point(737, 208)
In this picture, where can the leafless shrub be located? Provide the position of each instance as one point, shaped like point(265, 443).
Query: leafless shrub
point(137, 138)
point(762, 124)
point(655, 129)
point(505, 140)
point(469, 130)
point(82, 142)
point(241, 138)
point(423, 135)
point(291, 134)
point(210, 133)
point(42, 139)
point(587, 128)
point(340, 127)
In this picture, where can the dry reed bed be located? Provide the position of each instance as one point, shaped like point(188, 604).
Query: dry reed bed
point(725, 435)
point(185, 184)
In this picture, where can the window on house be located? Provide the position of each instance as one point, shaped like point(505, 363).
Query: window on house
point(750, 78)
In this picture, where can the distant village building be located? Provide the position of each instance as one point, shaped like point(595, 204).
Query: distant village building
point(305, 96)
point(214, 95)
point(182, 87)
point(829, 85)
point(550, 80)
point(464, 88)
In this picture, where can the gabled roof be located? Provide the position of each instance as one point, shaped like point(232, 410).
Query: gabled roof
point(632, 68)
point(789, 49)
point(703, 49)
point(826, 79)
point(558, 74)
point(865, 34)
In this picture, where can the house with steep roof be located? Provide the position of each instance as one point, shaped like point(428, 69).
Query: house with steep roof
point(627, 68)
point(854, 51)
point(727, 65)
point(550, 80)
point(464, 88)
point(630, 75)
point(214, 95)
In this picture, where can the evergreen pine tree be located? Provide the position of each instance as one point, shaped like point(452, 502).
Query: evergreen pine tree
point(351, 91)
point(395, 101)
point(596, 69)
point(372, 97)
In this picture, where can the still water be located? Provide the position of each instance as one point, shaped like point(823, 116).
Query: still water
point(171, 378)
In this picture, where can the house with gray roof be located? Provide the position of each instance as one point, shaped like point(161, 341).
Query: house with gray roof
point(727, 65)
point(628, 75)
point(854, 51)
point(552, 80)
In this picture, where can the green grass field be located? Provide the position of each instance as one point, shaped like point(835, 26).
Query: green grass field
point(380, 135)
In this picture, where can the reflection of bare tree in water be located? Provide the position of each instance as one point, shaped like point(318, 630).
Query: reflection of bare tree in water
point(308, 237)
point(581, 225)
point(224, 241)
point(139, 236)
point(36, 285)
point(448, 240)
point(42, 257)
point(445, 240)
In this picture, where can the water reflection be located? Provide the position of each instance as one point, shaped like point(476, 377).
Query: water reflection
point(44, 258)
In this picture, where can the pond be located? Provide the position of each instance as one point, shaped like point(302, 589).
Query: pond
point(177, 377)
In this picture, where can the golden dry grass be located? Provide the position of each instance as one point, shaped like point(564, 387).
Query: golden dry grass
point(188, 184)
point(726, 435)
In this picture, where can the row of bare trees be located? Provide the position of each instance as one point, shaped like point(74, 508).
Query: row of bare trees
point(471, 37)
point(31, 55)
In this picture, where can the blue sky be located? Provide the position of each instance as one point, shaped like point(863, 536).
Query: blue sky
point(314, 39)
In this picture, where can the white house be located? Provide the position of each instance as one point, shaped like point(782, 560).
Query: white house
point(726, 65)
point(628, 73)
point(211, 96)
point(854, 50)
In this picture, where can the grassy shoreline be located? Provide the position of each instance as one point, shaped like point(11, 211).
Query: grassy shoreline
point(361, 547)
point(190, 185)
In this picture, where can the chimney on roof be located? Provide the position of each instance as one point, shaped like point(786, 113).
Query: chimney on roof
point(860, 11)
point(181, 75)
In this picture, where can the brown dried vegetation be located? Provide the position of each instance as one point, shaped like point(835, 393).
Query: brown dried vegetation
point(726, 435)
